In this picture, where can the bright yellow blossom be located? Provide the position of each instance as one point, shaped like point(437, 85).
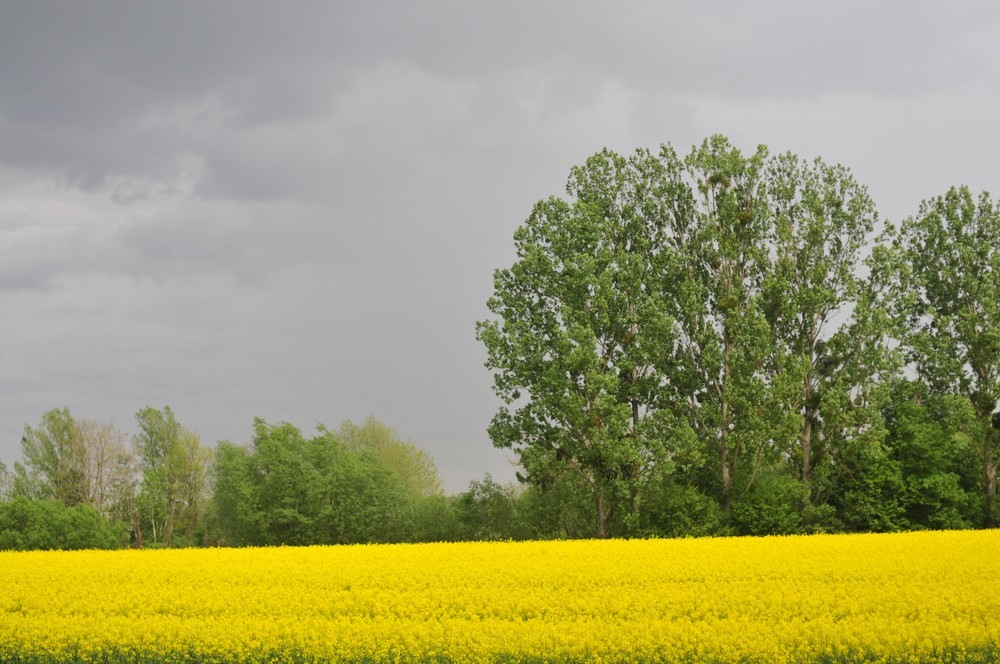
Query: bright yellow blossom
point(931, 597)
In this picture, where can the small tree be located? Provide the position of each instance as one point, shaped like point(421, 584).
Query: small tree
point(109, 463)
point(488, 511)
point(174, 480)
point(27, 524)
point(55, 458)
point(415, 467)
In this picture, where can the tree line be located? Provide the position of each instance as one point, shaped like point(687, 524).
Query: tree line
point(734, 343)
point(87, 484)
point(715, 344)
point(82, 483)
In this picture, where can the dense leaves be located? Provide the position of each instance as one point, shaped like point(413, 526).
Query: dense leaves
point(27, 524)
point(950, 269)
point(721, 335)
point(361, 484)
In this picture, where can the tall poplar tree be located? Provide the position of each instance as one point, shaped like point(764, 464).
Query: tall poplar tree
point(950, 290)
point(579, 340)
point(822, 222)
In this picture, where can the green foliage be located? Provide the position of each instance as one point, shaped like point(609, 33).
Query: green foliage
point(949, 295)
point(770, 507)
point(725, 353)
point(49, 524)
point(55, 459)
point(828, 321)
point(412, 465)
point(561, 509)
point(489, 511)
point(870, 488)
point(437, 518)
point(230, 511)
point(678, 509)
point(172, 491)
point(701, 319)
point(288, 489)
point(936, 460)
point(579, 337)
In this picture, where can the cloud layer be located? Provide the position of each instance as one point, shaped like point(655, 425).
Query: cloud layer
point(293, 211)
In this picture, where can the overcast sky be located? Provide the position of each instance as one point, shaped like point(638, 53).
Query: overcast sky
point(293, 210)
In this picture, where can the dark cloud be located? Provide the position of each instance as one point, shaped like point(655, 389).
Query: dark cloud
point(294, 210)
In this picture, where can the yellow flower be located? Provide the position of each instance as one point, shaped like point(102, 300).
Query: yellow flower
point(929, 596)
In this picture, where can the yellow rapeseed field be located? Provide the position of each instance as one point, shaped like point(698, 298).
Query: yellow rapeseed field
point(932, 596)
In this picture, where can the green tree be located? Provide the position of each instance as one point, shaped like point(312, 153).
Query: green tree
point(822, 222)
point(950, 291)
point(936, 459)
point(680, 509)
point(55, 459)
point(436, 518)
point(488, 511)
point(578, 341)
point(174, 481)
point(857, 372)
point(561, 508)
point(158, 433)
point(411, 464)
point(285, 488)
point(188, 468)
point(232, 508)
point(27, 524)
point(361, 499)
point(727, 385)
point(869, 486)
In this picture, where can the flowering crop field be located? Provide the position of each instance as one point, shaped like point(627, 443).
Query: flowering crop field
point(931, 597)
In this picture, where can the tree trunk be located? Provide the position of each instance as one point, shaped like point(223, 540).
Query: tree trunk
point(724, 432)
point(726, 478)
point(991, 495)
point(634, 488)
point(990, 466)
point(724, 454)
point(806, 447)
point(137, 529)
point(168, 531)
point(602, 515)
point(807, 423)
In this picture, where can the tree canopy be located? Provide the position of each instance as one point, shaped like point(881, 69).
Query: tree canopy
point(950, 295)
point(726, 325)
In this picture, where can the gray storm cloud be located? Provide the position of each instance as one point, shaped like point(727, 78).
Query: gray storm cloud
point(294, 210)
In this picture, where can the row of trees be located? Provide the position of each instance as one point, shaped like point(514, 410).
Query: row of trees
point(88, 484)
point(363, 484)
point(152, 491)
point(725, 335)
